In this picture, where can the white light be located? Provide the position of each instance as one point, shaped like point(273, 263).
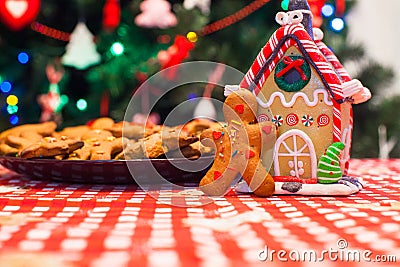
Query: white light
point(337, 24)
point(117, 49)
point(81, 104)
point(328, 10)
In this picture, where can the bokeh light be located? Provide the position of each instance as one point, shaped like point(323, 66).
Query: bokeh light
point(192, 37)
point(23, 58)
point(337, 24)
point(12, 109)
point(12, 100)
point(117, 49)
point(285, 4)
point(64, 99)
point(328, 10)
point(5, 86)
point(81, 104)
point(14, 119)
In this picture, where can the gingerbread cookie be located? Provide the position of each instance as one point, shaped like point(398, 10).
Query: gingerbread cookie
point(132, 150)
point(157, 144)
point(31, 132)
point(133, 131)
point(22, 141)
point(238, 147)
point(73, 131)
point(99, 145)
point(102, 123)
point(47, 147)
point(11, 144)
point(167, 140)
point(44, 129)
point(7, 150)
point(197, 126)
point(192, 151)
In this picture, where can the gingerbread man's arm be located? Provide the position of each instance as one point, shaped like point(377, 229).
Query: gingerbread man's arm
point(207, 138)
point(268, 133)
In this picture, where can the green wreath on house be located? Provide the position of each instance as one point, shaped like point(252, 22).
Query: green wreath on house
point(292, 73)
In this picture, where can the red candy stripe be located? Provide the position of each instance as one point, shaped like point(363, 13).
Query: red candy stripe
point(285, 179)
point(263, 117)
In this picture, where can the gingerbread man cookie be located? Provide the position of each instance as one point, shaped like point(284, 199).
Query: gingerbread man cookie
point(32, 132)
point(46, 147)
point(11, 144)
point(238, 147)
point(44, 129)
point(99, 145)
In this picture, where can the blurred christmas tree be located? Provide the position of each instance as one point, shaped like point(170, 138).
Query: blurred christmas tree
point(135, 39)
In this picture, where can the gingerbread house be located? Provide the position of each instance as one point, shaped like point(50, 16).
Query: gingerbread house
point(302, 87)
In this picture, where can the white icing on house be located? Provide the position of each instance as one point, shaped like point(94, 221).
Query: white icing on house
point(297, 172)
point(318, 34)
point(289, 18)
point(355, 90)
point(321, 190)
point(289, 104)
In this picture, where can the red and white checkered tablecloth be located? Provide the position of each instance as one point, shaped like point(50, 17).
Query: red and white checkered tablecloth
point(45, 223)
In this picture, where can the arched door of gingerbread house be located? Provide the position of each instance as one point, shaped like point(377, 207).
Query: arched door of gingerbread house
point(294, 155)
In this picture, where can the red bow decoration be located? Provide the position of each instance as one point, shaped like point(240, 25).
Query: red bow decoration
point(296, 64)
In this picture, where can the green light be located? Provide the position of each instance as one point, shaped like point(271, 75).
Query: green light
point(81, 104)
point(64, 99)
point(122, 31)
point(12, 109)
point(117, 49)
point(285, 4)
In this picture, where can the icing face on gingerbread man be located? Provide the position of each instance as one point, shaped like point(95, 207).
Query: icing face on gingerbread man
point(238, 146)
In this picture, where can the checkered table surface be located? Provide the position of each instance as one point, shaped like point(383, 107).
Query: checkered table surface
point(46, 223)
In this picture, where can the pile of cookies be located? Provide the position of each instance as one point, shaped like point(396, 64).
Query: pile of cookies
point(105, 139)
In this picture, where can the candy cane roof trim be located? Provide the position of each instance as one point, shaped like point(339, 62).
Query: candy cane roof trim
point(273, 51)
point(331, 57)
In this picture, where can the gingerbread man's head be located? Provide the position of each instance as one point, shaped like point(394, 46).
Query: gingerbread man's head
point(240, 105)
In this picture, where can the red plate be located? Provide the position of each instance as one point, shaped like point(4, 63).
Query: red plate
point(176, 170)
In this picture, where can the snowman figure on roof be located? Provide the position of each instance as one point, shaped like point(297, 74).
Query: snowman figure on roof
point(303, 88)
